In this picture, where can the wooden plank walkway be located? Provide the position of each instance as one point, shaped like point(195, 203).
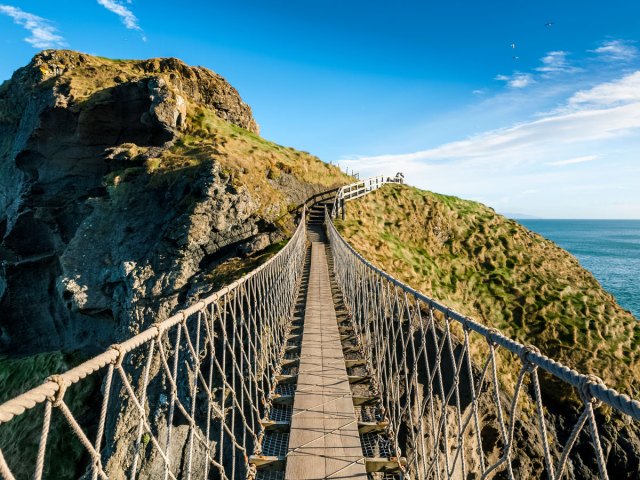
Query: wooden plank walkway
point(324, 440)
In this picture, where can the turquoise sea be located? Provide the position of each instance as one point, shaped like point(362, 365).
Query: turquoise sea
point(610, 249)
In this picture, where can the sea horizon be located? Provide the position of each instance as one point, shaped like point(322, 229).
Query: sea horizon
point(608, 248)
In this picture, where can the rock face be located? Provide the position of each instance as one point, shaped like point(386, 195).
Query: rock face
point(104, 221)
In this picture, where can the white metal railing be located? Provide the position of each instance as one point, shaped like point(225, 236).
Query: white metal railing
point(360, 188)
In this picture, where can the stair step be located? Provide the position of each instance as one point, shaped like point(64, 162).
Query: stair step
point(278, 399)
point(264, 462)
point(286, 378)
point(364, 400)
point(360, 362)
point(275, 426)
point(290, 362)
point(372, 427)
point(392, 464)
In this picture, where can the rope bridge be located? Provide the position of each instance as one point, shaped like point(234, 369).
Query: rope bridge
point(187, 397)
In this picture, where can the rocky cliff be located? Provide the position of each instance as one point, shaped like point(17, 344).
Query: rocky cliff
point(119, 182)
point(126, 187)
point(492, 269)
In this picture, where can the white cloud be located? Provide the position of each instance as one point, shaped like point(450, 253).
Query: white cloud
point(602, 123)
point(523, 143)
point(616, 50)
point(126, 15)
point(43, 35)
point(624, 90)
point(517, 80)
point(554, 62)
point(573, 161)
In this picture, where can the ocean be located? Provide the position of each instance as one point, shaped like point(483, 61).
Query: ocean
point(610, 249)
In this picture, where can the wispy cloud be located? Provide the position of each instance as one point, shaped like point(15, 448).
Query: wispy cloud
point(601, 123)
point(573, 161)
point(523, 142)
point(517, 80)
point(43, 34)
point(552, 63)
point(126, 15)
point(556, 61)
point(616, 50)
point(608, 94)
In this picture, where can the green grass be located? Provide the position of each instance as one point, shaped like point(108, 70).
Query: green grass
point(19, 439)
point(491, 268)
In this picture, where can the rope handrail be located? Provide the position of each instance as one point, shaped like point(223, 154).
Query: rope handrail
point(40, 393)
point(438, 399)
point(609, 396)
point(239, 332)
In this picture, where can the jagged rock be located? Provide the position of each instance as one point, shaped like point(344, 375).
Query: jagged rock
point(93, 244)
point(257, 243)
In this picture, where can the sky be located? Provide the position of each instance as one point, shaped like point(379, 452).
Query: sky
point(529, 107)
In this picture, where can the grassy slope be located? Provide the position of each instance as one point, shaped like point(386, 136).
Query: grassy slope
point(251, 160)
point(491, 268)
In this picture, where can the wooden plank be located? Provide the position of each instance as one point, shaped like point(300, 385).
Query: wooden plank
point(324, 440)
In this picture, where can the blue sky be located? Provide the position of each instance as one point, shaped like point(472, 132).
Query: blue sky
point(549, 128)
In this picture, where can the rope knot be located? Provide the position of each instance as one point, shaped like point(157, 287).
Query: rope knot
point(62, 388)
point(527, 351)
point(118, 348)
point(465, 324)
point(585, 388)
point(160, 329)
point(492, 332)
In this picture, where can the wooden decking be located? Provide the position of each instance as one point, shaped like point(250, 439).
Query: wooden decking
point(324, 440)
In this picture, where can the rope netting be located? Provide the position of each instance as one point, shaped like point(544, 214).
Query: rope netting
point(182, 399)
point(463, 400)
